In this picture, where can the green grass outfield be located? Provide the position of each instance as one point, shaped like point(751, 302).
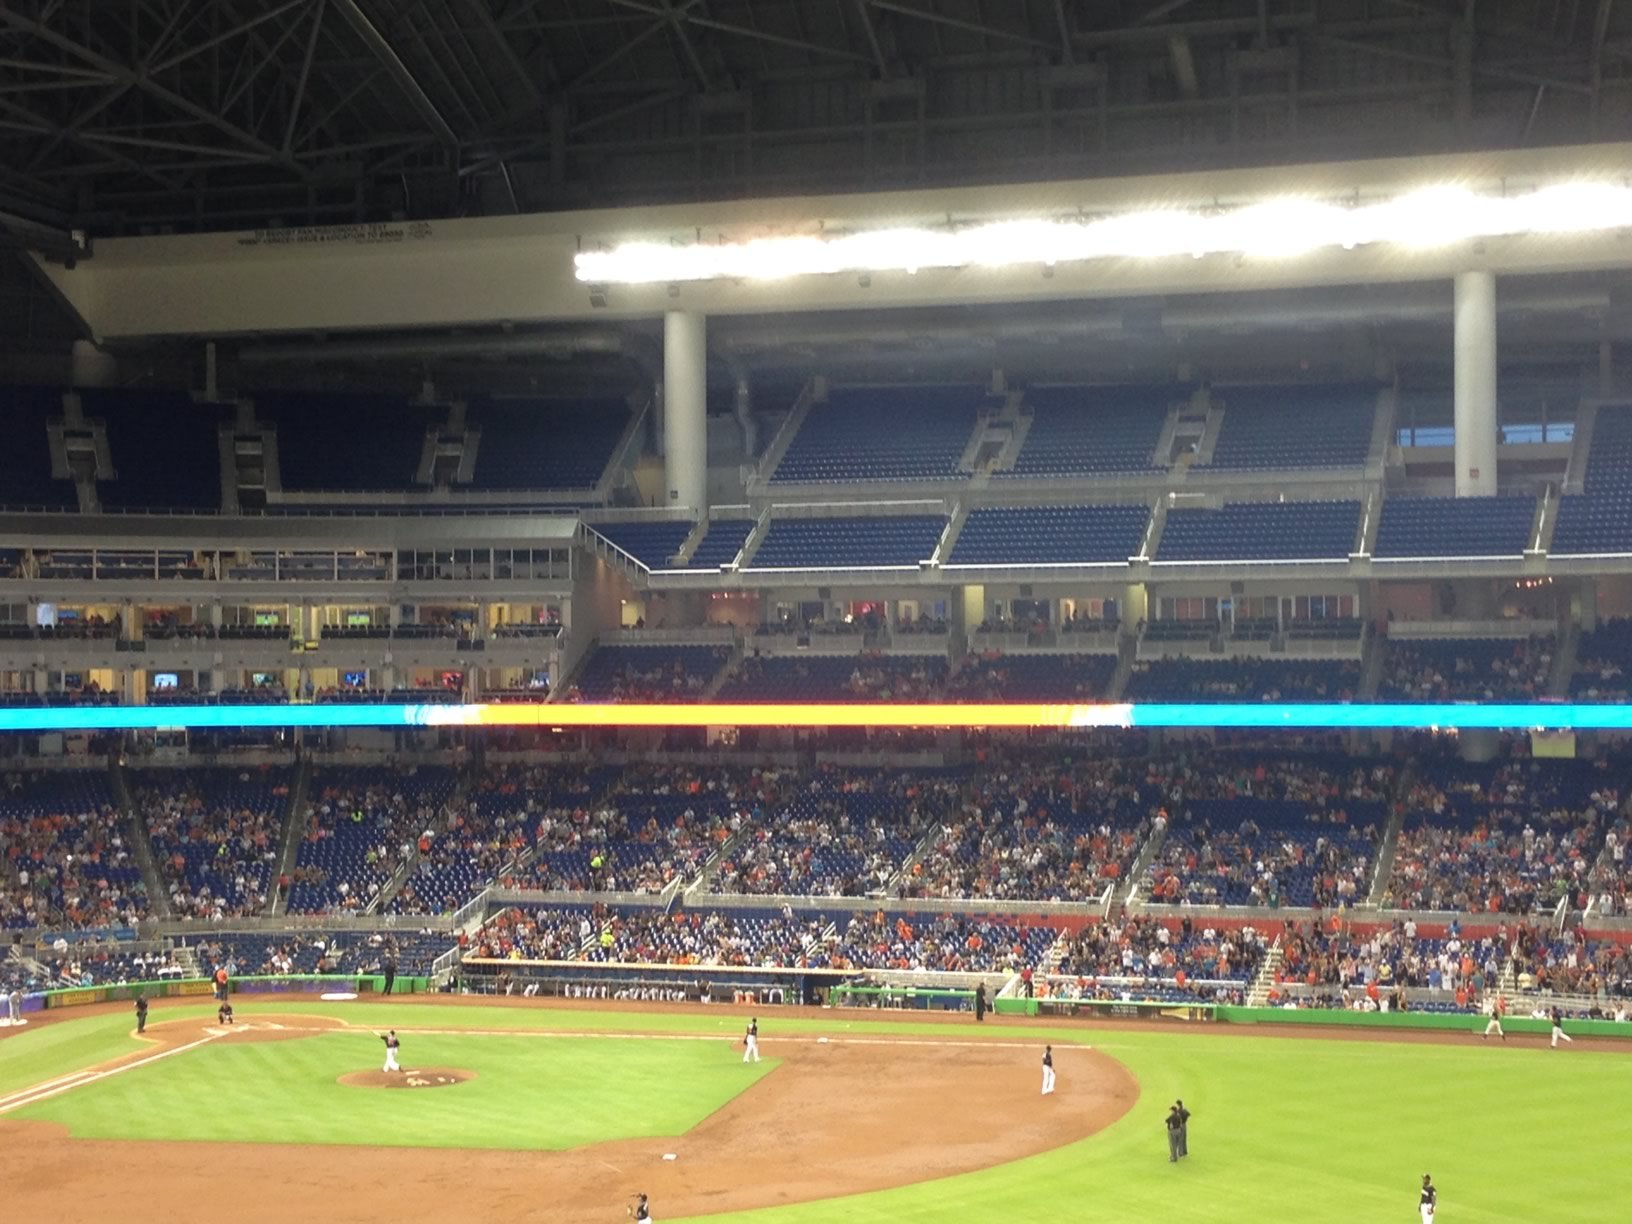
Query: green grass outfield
point(1306, 1130)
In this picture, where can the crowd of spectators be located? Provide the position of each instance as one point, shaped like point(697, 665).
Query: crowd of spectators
point(1268, 831)
point(215, 838)
point(764, 938)
point(1505, 838)
point(64, 859)
point(1372, 964)
point(1138, 949)
point(1572, 964)
point(1515, 669)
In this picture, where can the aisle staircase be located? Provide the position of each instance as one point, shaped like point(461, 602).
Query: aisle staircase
point(926, 843)
point(141, 845)
point(1406, 778)
point(410, 864)
point(1264, 981)
point(185, 956)
point(294, 829)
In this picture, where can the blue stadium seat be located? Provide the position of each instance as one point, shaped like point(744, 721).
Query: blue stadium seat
point(25, 459)
point(1288, 427)
point(377, 449)
point(1050, 535)
point(544, 444)
point(1454, 527)
point(1261, 531)
point(1598, 521)
point(165, 449)
point(883, 433)
point(883, 542)
point(1088, 431)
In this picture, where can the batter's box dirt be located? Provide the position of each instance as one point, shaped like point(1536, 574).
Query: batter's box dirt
point(422, 1077)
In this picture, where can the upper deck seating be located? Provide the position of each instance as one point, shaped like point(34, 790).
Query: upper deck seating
point(1454, 527)
point(1261, 531)
point(1294, 426)
point(1091, 431)
point(883, 433)
point(852, 542)
point(1050, 535)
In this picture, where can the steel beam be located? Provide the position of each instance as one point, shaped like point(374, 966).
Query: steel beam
point(397, 71)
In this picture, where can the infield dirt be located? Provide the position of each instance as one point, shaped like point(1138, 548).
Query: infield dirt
point(841, 1115)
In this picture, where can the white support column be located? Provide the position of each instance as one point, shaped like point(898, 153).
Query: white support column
point(1476, 424)
point(685, 410)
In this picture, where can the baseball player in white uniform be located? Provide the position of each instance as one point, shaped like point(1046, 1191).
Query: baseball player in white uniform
point(1558, 1029)
point(1048, 1070)
point(1494, 1010)
point(750, 1042)
point(14, 1006)
point(392, 1045)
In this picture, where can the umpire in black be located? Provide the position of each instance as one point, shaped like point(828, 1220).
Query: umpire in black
point(980, 1002)
point(141, 1013)
point(1184, 1127)
point(1174, 1123)
point(389, 967)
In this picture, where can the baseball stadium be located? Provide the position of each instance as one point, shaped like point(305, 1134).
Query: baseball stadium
point(815, 611)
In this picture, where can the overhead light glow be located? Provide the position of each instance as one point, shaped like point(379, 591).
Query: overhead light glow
point(1270, 229)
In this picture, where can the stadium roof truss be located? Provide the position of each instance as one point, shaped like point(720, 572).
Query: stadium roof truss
point(123, 116)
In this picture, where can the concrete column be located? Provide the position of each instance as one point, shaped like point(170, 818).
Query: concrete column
point(685, 410)
point(1476, 425)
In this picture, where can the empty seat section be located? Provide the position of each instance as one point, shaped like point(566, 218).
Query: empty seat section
point(721, 543)
point(1454, 527)
point(165, 449)
point(652, 544)
point(545, 443)
point(1599, 520)
point(1262, 531)
point(883, 433)
point(1087, 431)
point(348, 443)
point(25, 459)
point(1294, 426)
point(1050, 535)
point(896, 542)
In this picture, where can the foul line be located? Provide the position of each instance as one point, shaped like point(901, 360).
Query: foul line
point(996, 1043)
point(51, 1088)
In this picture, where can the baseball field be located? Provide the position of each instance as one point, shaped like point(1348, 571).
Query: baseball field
point(512, 1110)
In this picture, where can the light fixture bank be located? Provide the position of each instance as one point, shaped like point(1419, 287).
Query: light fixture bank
point(1272, 229)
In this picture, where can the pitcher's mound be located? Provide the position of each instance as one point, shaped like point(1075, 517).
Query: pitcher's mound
point(421, 1077)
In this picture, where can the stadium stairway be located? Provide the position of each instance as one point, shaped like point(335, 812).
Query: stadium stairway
point(1404, 780)
point(1147, 855)
point(1127, 652)
point(925, 844)
point(1264, 980)
point(294, 828)
point(439, 825)
point(1564, 659)
point(158, 896)
point(184, 955)
point(711, 867)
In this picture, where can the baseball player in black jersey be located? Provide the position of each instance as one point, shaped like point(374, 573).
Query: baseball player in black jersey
point(1558, 1029)
point(141, 1013)
point(640, 1210)
point(1428, 1200)
point(223, 1014)
point(392, 1045)
point(750, 1041)
point(1048, 1070)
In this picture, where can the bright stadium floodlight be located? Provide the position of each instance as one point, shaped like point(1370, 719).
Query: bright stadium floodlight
point(1270, 229)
